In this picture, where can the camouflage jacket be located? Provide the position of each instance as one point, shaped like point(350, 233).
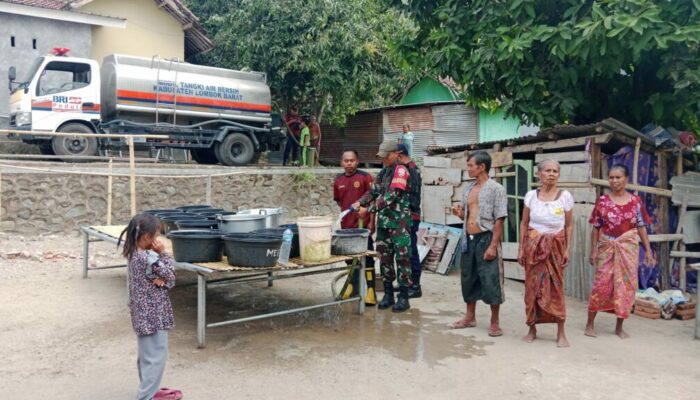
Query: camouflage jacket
point(389, 197)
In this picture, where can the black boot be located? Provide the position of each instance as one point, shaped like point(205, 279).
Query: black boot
point(402, 304)
point(414, 291)
point(388, 299)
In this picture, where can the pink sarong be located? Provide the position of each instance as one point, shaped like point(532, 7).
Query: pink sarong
point(615, 280)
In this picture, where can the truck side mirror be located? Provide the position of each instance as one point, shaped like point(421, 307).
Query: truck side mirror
point(11, 76)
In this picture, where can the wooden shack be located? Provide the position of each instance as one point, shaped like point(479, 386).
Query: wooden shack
point(583, 152)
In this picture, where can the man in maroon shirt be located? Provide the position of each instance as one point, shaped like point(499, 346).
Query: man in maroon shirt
point(293, 122)
point(348, 187)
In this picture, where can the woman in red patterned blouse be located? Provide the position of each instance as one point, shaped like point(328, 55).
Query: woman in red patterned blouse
point(619, 222)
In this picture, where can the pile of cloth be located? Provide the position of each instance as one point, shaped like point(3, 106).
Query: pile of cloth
point(668, 300)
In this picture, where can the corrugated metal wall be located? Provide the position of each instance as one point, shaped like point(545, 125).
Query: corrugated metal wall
point(439, 125)
point(332, 140)
point(363, 133)
point(455, 124)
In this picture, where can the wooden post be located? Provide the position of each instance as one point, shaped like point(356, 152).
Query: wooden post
point(109, 194)
point(132, 176)
point(663, 225)
point(680, 245)
point(594, 151)
point(208, 189)
point(635, 165)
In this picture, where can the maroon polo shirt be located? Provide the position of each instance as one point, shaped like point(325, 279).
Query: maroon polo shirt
point(348, 190)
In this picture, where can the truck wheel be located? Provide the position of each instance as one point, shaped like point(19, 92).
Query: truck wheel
point(204, 156)
point(74, 146)
point(235, 150)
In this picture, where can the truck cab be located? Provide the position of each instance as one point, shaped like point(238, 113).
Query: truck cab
point(57, 94)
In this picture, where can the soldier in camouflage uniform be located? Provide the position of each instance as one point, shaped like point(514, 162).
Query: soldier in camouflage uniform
point(389, 198)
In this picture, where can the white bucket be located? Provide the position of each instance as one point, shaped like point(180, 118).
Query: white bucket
point(315, 238)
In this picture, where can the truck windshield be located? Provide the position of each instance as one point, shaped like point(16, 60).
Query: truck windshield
point(30, 74)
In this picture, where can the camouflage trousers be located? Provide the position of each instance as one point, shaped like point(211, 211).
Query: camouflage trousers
point(394, 244)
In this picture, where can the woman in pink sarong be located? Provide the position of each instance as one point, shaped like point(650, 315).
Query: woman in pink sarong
point(545, 234)
point(619, 222)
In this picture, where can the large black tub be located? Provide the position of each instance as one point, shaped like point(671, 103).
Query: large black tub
point(294, 252)
point(169, 221)
point(251, 250)
point(212, 214)
point(162, 211)
point(196, 224)
point(196, 246)
point(193, 207)
point(204, 210)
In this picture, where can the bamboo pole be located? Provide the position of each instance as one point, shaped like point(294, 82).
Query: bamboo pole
point(109, 194)
point(683, 254)
point(665, 237)
point(635, 165)
point(680, 245)
point(132, 173)
point(645, 189)
point(83, 134)
point(69, 172)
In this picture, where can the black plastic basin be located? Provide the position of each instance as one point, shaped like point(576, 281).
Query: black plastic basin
point(196, 224)
point(196, 246)
point(212, 215)
point(190, 207)
point(169, 222)
point(162, 210)
point(204, 210)
point(294, 252)
point(252, 250)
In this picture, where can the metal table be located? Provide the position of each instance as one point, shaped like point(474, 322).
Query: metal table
point(207, 276)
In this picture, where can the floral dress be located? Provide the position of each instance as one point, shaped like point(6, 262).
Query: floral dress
point(150, 305)
point(617, 260)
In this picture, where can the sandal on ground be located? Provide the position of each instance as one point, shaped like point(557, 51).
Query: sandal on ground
point(463, 323)
point(495, 332)
point(168, 394)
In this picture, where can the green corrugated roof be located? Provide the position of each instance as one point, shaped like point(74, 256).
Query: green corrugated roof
point(428, 90)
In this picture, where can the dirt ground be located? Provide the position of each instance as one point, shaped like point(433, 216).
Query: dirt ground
point(64, 337)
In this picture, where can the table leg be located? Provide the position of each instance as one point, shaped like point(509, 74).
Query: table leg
point(363, 286)
point(269, 279)
point(201, 310)
point(86, 254)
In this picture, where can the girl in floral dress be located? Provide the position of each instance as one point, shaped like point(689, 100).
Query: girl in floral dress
point(619, 222)
point(151, 275)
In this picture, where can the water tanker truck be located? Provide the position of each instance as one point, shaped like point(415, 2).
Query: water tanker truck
point(220, 115)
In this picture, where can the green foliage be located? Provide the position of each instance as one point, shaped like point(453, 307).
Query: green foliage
point(555, 61)
point(330, 56)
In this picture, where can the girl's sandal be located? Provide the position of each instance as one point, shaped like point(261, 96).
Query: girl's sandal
point(168, 394)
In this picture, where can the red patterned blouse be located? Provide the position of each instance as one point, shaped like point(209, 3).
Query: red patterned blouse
point(614, 219)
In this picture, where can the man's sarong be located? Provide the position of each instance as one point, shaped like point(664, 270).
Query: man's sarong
point(615, 280)
point(481, 279)
point(544, 277)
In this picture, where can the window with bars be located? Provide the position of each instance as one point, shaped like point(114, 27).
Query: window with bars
point(516, 187)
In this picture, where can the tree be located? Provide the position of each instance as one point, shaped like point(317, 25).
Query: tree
point(555, 61)
point(330, 56)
